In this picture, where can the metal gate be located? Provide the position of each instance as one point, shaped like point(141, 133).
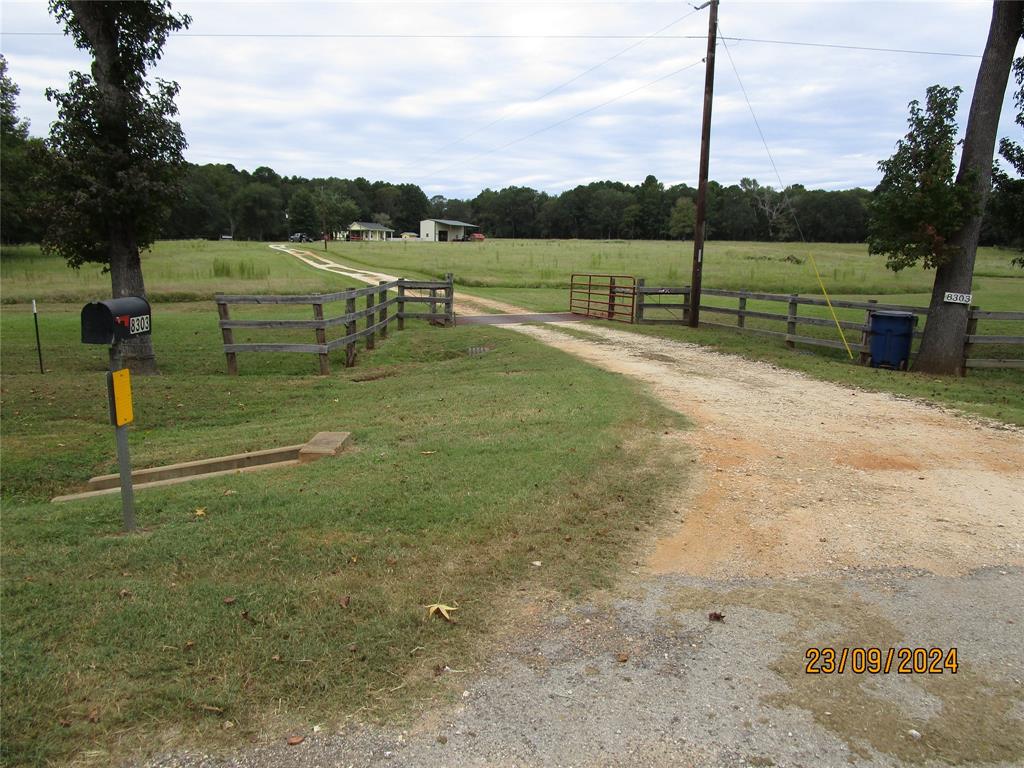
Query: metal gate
point(608, 297)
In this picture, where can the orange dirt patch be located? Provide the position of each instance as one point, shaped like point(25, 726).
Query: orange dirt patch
point(877, 461)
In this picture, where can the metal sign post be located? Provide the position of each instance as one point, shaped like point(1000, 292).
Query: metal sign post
point(39, 348)
point(119, 390)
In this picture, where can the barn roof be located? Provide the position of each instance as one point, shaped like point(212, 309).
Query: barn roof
point(453, 223)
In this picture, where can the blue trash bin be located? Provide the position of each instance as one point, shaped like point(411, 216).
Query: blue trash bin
point(891, 336)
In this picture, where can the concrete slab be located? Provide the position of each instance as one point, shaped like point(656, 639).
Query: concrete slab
point(323, 444)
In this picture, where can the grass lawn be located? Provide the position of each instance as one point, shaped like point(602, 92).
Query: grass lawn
point(466, 469)
point(180, 270)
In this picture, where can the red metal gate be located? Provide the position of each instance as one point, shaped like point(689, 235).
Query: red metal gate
point(609, 297)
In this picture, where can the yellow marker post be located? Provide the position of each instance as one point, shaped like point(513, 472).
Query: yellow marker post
point(119, 391)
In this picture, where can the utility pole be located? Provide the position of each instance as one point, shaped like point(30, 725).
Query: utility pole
point(702, 182)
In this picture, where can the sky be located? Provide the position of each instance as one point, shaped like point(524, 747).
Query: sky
point(459, 96)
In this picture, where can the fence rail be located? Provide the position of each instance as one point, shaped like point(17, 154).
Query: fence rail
point(649, 303)
point(375, 314)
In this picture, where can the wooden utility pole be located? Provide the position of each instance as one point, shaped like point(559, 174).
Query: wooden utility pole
point(702, 182)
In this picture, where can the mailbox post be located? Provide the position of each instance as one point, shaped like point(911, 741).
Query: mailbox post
point(106, 322)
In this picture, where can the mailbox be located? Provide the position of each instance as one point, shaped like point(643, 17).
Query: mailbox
point(104, 322)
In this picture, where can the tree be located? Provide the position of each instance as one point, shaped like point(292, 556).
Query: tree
point(302, 214)
point(1007, 192)
point(942, 344)
point(683, 218)
point(917, 208)
point(258, 211)
point(19, 199)
point(115, 151)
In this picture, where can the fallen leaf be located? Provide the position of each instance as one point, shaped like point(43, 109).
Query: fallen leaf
point(536, 563)
point(229, 600)
point(294, 741)
point(189, 645)
point(124, 594)
point(317, 729)
point(199, 512)
point(65, 723)
point(275, 657)
point(716, 616)
point(622, 658)
point(427, 453)
point(444, 610)
point(93, 716)
point(227, 724)
point(229, 492)
point(344, 601)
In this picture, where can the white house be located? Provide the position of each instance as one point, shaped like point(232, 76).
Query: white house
point(444, 230)
point(366, 230)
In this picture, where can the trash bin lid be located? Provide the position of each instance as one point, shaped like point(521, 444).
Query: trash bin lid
point(890, 313)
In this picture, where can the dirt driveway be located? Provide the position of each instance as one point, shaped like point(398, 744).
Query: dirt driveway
point(817, 516)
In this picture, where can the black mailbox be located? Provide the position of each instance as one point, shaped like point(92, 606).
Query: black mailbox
point(104, 322)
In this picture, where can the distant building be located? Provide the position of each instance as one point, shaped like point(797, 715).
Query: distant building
point(444, 230)
point(409, 236)
point(367, 230)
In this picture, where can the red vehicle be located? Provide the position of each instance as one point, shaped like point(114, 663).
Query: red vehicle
point(477, 236)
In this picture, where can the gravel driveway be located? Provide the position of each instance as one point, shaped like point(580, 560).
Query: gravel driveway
point(819, 516)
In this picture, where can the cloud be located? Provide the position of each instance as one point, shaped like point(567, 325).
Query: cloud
point(421, 110)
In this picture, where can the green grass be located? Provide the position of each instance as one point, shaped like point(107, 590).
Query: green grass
point(181, 270)
point(772, 267)
point(465, 470)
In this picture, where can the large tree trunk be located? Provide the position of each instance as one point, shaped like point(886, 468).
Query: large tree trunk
point(97, 21)
point(943, 344)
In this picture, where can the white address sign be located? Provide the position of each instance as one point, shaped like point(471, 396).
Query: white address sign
point(957, 298)
point(138, 324)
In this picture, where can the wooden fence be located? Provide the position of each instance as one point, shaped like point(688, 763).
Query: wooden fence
point(649, 301)
point(439, 293)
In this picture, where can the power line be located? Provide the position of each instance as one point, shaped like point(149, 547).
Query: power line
point(557, 88)
point(872, 49)
point(484, 36)
point(785, 196)
point(565, 120)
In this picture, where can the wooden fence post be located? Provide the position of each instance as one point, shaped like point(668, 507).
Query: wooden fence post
point(401, 303)
point(687, 298)
point(382, 313)
point(741, 318)
point(791, 320)
point(321, 338)
point(638, 309)
point(449, 293)
point(229, 338)
point(350, 329)
point(433, 305)
point(611, 298)
point(972, 328)
point(865, 336)
point(370, 318)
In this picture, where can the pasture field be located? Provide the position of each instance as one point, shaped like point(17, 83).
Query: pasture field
point(770, 267)
point(179, 270)
point(115, 644)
